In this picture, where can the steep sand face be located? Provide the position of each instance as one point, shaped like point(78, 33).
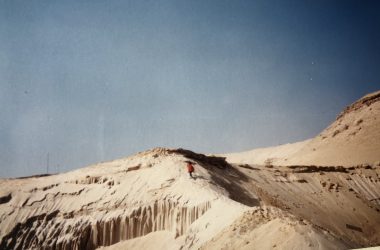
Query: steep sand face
point(135, 202)
point(353, 139)
point(121, 200)
point(343, 201)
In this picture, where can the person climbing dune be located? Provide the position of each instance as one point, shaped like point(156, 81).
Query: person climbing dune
point(190, 168)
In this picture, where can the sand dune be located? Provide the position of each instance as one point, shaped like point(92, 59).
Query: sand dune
point(266, 156)
point(295, 196)
point(111, 202)
point(149, 198)
point(352, 139)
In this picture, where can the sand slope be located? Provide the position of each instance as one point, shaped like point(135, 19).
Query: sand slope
point(148, 198)
point(266, 156)
point(352, 139)
point(103, 204)
point(315, 194)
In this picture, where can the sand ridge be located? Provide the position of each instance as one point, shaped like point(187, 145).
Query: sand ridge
point(323, 193)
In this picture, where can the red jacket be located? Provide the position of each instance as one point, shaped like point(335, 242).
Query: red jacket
point(190, 167)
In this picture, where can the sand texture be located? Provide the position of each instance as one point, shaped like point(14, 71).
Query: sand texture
point(323, 193)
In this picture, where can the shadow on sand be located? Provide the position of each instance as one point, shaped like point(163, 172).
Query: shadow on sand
point(224, 175)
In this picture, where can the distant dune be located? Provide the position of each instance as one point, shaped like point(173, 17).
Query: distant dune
point(352, 139)
point(323, 193)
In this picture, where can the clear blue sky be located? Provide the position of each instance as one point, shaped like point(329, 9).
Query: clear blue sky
point(90, 81)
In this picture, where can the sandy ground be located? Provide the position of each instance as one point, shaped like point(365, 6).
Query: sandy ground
point(133, 202)
point(323, 193)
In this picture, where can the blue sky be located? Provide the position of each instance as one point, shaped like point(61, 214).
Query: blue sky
point(90, 81)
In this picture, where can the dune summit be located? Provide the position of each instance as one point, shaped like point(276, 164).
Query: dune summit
point(297, 196)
